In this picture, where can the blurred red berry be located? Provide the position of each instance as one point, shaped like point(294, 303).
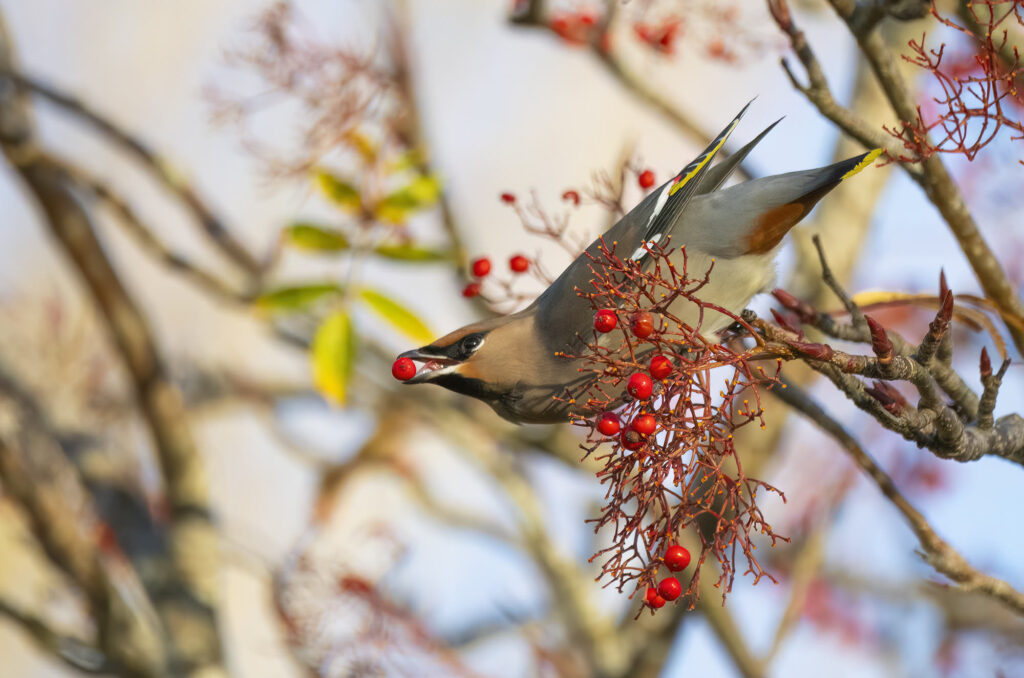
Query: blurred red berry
point(641, 324)
point(481, 267)
point(670, 588)
point(660, 367)
point(519, 264)
point(645, 424)
point(403, 369)
point(608, 424)
point(631, 440)
point(471, 290)
point(676, 558)
point(508, 198)
point(640, 386)
point(646, 179)
point(605, 320)
point(574, 196)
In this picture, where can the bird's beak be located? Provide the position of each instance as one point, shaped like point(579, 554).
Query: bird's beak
point(432, 367)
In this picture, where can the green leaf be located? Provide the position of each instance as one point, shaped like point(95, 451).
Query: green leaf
point(318, 238)
point(296, 297)
point(422, 192)
point(333, 355)
point(401, 318)
point(412, 253)
point(338, 191)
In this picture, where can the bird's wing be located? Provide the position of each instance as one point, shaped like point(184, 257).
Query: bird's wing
point(674, 195)
point(560, 312)
point(717, 175)
point(753, 217)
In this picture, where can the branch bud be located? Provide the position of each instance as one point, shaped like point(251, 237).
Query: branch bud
point(891, 399)
point(813, 351)
point(880, 343)
point(783, 322)
point(943, 287)
point(986, 364)
point(780, 12)
point(803, 310)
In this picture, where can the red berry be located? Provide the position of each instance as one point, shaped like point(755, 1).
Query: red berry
point(508, 198)
point(646, 179)
point(641, 324)
point(572, 195)
point(608, 424)
point(404, 369)
point(631, 440)
point(471, 290)
point(658, 602)
point(519, 263)
point(645, 424)
point(650, 594)
point(640, 386)
point(481, 267)
point(676, 558)
point(670, 588)
point(660, 367)
point(605, 320)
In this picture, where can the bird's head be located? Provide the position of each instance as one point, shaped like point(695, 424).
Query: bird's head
point(476, 360)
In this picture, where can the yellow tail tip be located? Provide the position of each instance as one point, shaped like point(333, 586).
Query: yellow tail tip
point(868, 159)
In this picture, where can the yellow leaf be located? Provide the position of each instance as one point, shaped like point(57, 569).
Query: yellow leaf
point(332, 356)
point(296, 297)
point(318, 238)
point(412, 253)
point(421, 192)
point(338, 191)
point(363, 145)
point(401, 318)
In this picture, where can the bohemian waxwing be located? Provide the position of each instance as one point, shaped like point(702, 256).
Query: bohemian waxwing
point(513, 362)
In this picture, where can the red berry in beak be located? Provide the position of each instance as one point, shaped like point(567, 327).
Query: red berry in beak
point(660, 367)
point(608, 424)
point(404, 369)
point(605, 320)
point(646, 179)
point(645, 424)
point(481, 267)
point(670, 588)
point(519, 264)
point(640, 386)
point(641, 324)
point(676, 558)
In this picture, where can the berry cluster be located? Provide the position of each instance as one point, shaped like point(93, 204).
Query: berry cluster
point(676, 559)
point(481, 267)
point(665, 405)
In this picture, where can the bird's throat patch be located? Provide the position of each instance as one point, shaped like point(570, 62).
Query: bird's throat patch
point(771, 226)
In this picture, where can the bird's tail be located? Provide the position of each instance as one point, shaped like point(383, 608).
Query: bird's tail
point(847, 168)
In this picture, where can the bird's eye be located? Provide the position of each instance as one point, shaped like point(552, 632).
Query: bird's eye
point(472, 343)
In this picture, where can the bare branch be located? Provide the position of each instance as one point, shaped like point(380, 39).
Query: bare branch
point(190, 615)
point(937, 552)
point(937, 183)
point(157, 166)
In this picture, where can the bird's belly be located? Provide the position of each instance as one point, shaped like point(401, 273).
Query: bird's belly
point(732, 283)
